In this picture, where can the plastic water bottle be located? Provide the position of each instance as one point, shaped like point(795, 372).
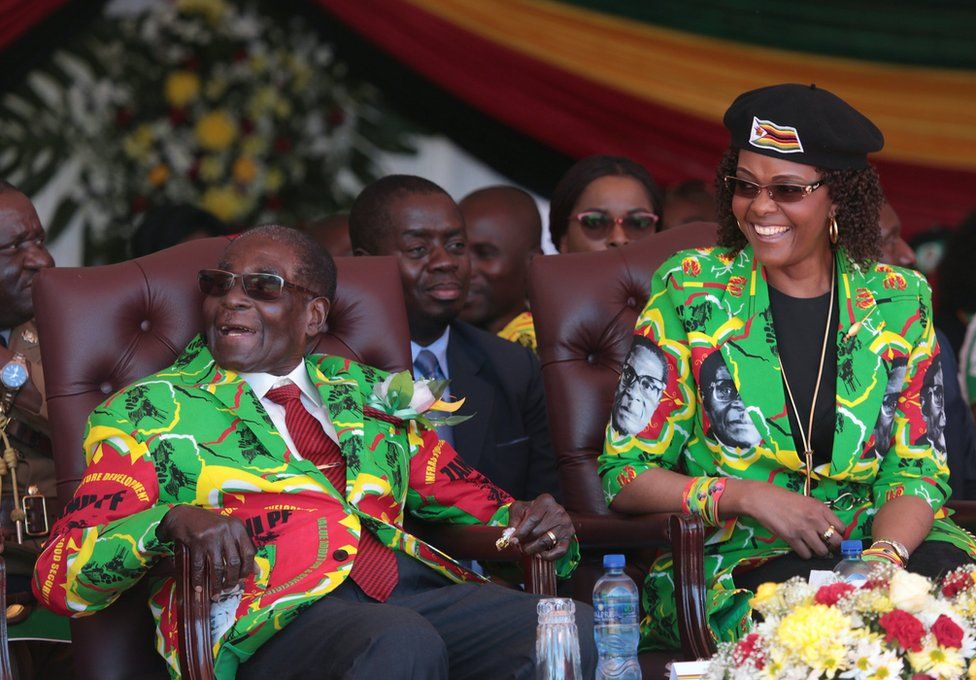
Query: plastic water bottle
point(615, 622)
point(852, 569)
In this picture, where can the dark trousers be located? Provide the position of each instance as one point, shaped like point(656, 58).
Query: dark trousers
point(430, 628)
point(932, 559)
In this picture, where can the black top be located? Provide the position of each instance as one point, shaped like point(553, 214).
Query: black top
point(800, 325)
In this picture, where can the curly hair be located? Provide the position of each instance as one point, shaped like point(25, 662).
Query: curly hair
point(857, 194)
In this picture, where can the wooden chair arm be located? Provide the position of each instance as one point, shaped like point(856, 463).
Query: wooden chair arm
point(193, 610)
point(477, 542)
point(688, 550)
point(617, 531)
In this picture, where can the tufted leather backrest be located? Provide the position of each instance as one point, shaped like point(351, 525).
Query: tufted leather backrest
point(585, 307)
point(101, 328)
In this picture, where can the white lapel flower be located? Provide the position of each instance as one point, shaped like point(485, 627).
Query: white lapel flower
point(398, 395)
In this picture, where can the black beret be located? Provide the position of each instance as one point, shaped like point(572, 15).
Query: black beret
point(802, 123)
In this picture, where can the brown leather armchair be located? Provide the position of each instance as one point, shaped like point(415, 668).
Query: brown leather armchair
point(104, 327)
point(585, 306)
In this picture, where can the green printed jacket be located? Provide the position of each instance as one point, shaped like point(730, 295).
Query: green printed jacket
point(196, 434)
point(709, 317)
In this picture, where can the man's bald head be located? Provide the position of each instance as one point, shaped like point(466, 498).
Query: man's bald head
point(23, 253)
point(504, 232)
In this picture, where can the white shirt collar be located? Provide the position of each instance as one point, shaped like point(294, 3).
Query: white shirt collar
point(438, 348)
point(262, 383)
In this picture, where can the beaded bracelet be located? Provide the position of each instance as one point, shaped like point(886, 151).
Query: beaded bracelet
point(882, 553)
point(701, 497)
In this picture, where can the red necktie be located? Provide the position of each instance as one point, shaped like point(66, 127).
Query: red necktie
point(375, 568)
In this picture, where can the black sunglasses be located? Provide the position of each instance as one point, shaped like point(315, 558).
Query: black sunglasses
point(780, 193)
point(257, 285)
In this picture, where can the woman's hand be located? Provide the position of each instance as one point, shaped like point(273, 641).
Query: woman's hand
point(797, 519)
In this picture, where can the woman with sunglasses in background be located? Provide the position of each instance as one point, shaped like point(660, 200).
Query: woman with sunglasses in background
point(797, 406)
point(603, 202)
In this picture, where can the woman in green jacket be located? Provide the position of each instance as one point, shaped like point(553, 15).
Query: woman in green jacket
point(784, 385)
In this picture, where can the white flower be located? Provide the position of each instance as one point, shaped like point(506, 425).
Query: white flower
point(910, 592)
point(422, 398)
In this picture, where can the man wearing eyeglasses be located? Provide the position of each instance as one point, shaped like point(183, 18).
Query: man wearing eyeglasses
point(291, 478)
point(642, 381)
point(886, 416)
point(417, 222)
point(730, 422)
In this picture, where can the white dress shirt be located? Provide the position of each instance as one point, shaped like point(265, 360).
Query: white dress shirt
point(262, 383)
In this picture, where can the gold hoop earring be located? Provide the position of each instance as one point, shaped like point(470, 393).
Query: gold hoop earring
point(833, 231)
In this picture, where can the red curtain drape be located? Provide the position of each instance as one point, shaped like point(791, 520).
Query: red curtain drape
point(18, 16)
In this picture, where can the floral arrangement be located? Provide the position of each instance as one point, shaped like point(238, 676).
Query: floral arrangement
point(209, 102)
point(897, 625)
point(403, 398)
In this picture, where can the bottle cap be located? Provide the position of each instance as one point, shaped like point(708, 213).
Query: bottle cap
point(614, 561)
point(851, 546)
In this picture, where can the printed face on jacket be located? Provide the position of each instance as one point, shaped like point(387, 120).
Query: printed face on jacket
point(642, 381)
point(933, 406)
point(886, 417)
point(731, 424)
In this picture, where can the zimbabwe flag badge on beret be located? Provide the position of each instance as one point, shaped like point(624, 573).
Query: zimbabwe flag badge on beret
point(768, 135)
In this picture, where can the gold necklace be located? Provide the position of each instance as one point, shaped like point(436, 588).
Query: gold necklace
point(808, 435)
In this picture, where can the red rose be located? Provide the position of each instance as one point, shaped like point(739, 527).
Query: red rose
point(830, 594)
point(956, 582)
point(906, 629)
point(946, 632)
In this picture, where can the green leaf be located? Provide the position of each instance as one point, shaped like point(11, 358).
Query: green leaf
point(401, 390)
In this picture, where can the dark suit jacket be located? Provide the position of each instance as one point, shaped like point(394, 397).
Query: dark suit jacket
point(508, 438)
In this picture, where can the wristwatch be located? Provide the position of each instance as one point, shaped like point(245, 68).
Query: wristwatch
point(898, 547)
point(13, 376)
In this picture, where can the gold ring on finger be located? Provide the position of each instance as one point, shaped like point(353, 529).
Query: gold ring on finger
point(828, 534)
point(552, 537)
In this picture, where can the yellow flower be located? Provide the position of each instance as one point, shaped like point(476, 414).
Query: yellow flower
point(972, 670)
point(138, 144)
point(212, 10)
point(282, 108)
point(273, 179)
point(259, 62)
point(224, 202)
point(182, 87)
point(764, 593)
point(216, 131)
point(215, 88)
point(158, 175)
point(265, 99)
point(816, 635)
point(211, 169)
point(938, 661)
point(254, 145)
point(245, 170)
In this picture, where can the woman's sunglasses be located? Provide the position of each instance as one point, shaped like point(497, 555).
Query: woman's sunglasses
point(257, 285)
point(597, 223)
point(781, 193)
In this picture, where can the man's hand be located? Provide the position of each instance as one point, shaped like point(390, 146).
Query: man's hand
point(541, 527)
point(209, 536)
